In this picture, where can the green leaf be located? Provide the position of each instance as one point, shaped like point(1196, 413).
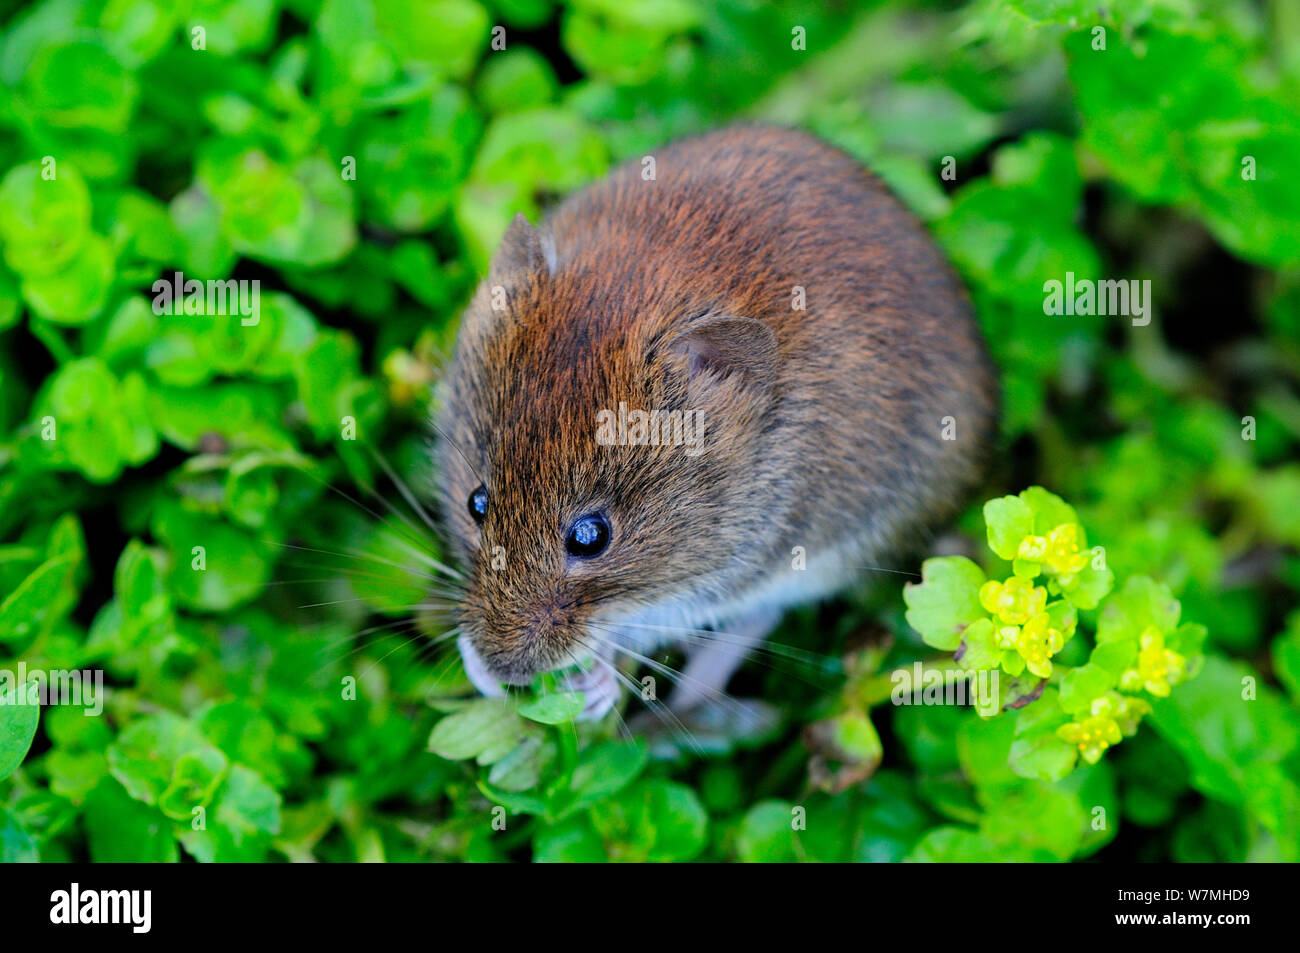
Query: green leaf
point(17, 844)
point(767, 834)
point(100, 423)
point(1286, 657)
point(522, 768)
point(388, 585)
point(946, 601)
point(1223, 721)
point(1037, 752)
point(1273, 798)
point(43, 221)
point(654, 820)
point(123, 830)
point(603, 770)
point(38, 601)
point(234, 566)
point(205, 247)
point(1050, 511)
point(1008, 520)
point(953, 126)
point(80, 85)
point(1093, 586)
point(573, 841)
point(1141, 603)
point(445, 35)
point(18, 719)
point(555, 708)
point(136, 30)
point(1137, 99)
point(517, 802)
point(145, 755)
point(1056, 832)
point(240, 828)
point(979, 650)
point(74, 774)
point(487, 729)
point(76, 293)
point(412, 163)
point(626, 43)
point(1081, 685)
point(248, 736)
point(955, 845)
point(516, 79)
point(983, 746)
point(194, 782)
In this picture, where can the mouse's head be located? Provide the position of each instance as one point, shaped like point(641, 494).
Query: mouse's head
point(591, 461)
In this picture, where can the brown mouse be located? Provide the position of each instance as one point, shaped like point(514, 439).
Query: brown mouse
point(820, 397)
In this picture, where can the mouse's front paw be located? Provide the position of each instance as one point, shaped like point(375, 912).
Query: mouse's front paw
point(601, 688)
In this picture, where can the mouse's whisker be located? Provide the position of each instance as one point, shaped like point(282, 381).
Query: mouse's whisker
point(340, 570)
point(624, 729)
point(897, 572)
point(662, 711)
point(389, 630)
point(350, 579)
point(790, 668)
point(416, 542)
point(419, 534)
point(334, 657)
point(407, 495)
point(828, 663)
point(405, 642)
point(362, 633)
point(359, 554)
point(434, 651)
point(678, 677)
point(455, 446)
point(334, 602)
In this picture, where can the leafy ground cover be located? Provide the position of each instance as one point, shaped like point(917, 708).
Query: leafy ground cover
point(183, 498)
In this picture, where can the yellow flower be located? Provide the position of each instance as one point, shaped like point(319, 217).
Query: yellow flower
point(1126, 711)
point(1157, 669)
point(1092, 736)
point(1015, 601)
point(1032, 549)
point(1061, 555)
point(1038, 642)
point(1110, 718)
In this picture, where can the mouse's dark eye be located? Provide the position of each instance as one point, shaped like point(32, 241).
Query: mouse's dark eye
point(477, 503)
point(588, 536)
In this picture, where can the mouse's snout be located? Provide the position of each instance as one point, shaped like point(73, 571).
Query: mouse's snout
point(511, 643)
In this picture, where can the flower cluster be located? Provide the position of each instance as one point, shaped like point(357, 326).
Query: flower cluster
point(1020, 623)
point(1157, 669)
point(1024, 631)
point(1111, 717)
point(1058, 555)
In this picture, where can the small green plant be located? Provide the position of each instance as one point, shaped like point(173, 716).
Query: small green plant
point(574, 791)
point(1017, 621)
point(165, 476)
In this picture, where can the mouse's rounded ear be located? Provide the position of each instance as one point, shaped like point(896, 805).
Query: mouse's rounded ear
point(524, 250)
point(723, 357)
point(525, 257)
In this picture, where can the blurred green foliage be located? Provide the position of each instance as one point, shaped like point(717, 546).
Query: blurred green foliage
point(166, 507)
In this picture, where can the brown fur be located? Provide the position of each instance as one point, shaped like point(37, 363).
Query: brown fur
point(823, 425)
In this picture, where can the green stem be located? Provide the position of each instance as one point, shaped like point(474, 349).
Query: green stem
point(879, 688)
point(53, 341)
